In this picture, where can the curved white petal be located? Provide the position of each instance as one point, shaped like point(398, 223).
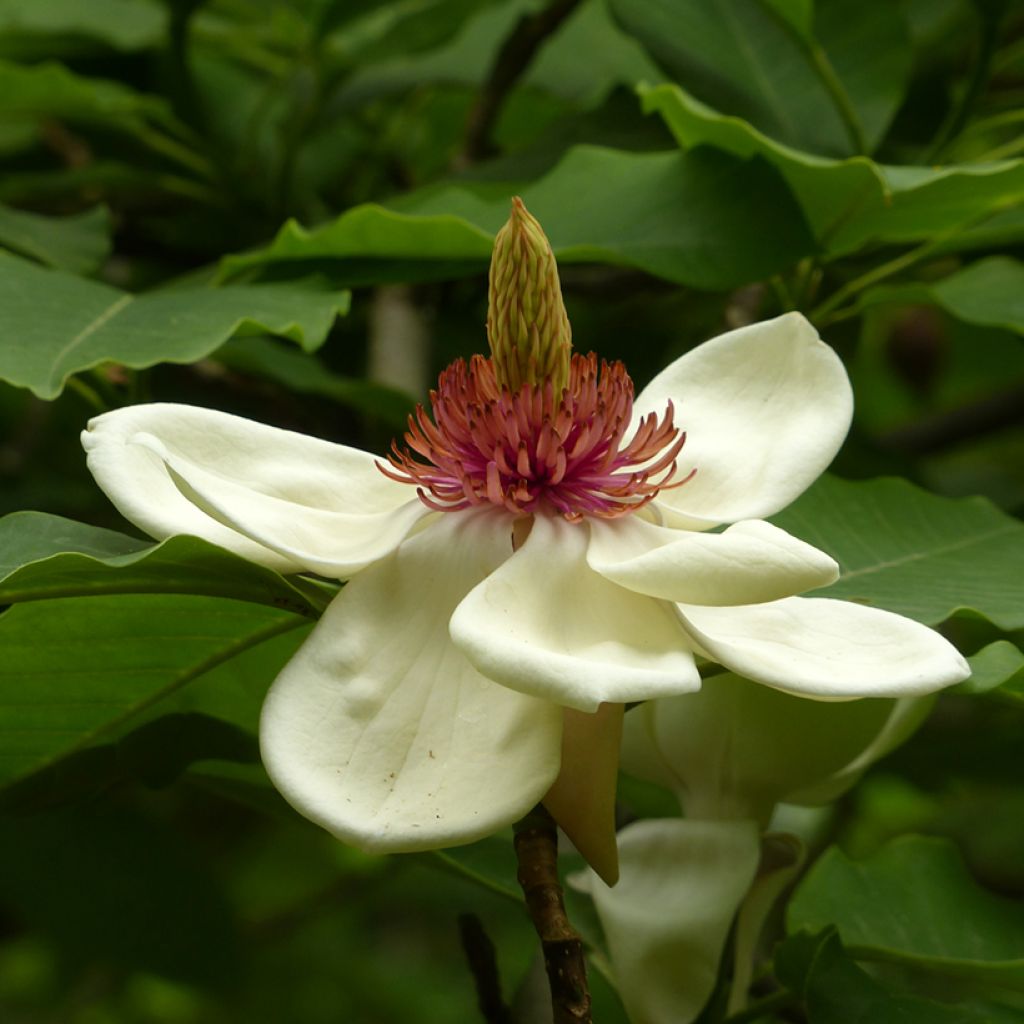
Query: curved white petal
point(640, 754)
point(765, 409)
point(291, 502)
point(380, 730)
point(545, 623)
point(667, 920)
point(749, 563)
point(824, 648)
point(906, 715)
point(735, 749)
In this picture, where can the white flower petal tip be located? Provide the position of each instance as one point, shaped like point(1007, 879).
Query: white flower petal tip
point(765, 409)
point(545, 623)
point(380, 731)
point(749, 563)
point(667, 920)
point(582, 800)
point(284, 500)
point(832, 650)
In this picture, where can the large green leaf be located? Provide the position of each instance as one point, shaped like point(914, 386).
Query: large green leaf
point(854, 202)
point(74, 668)
point(79, 243)
point(914, 902)
point(912, 552)
point(44, 556)
point(53, 324)
point(828, 83)
point(705, 219)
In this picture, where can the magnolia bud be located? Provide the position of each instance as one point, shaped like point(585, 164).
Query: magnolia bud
point(527, 326)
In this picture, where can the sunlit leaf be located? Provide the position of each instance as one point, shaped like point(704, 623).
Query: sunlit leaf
point(44, 556)
point(912, 552)
point(704, 219)
point(853, 202)
point(53, 324)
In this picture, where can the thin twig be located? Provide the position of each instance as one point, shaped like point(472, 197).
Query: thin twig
point(512, 60)
point(536, 842)
point(483, 965)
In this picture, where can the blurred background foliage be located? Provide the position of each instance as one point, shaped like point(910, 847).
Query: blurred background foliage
point(284, 209)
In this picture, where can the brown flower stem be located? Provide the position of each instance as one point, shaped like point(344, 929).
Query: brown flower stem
point(536, 842)
point(483, 964)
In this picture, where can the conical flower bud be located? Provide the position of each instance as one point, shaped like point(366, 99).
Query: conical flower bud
point(527, 327)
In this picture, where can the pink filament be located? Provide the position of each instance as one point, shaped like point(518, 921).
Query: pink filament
point(531, 452)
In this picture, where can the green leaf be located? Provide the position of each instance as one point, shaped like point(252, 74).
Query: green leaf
point(44, 556)
point(837, 991)
point(914, 903)
point(74, 668)
point(123, 24)
point(79, 243)
point(855, 202)
point(703, 219)
point(155, 754)
point(832, 92)
point(51, 90)
point(989, 292)
point(304, 373)
point(53, 324)
point(912, 552)
point(999, 665)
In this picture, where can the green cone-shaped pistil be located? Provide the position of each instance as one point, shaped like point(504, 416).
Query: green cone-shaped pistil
point(527, 326)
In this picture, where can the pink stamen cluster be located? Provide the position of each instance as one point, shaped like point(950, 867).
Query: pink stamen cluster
point(533, 451)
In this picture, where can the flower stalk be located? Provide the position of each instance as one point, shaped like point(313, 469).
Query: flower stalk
point(536, 843)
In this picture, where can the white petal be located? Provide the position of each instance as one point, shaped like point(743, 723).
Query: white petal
point(906, 715)
point(381, 731)
point(291, 502)
point(545, 623)
point(748, 563)
point(765, 409)
point(667, 920)
point(736, 749)
point(824, 648)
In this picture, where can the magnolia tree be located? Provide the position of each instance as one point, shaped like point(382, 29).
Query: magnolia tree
point(312, 673)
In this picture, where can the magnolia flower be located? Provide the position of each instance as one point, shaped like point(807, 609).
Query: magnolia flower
point(730, 753)
point(537, 554)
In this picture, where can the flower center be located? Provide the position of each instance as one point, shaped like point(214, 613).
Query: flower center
point(533, 452)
